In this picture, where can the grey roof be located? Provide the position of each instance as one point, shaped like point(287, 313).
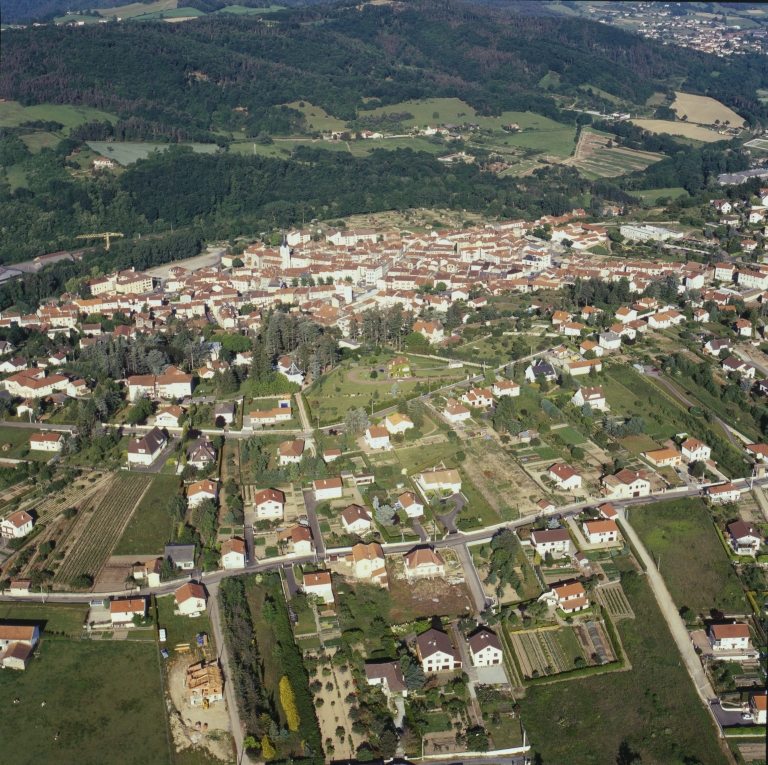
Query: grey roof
point(543, 369)
point(180, 553)
point(225, 407)
point(148, 444)
point(432, 641)
point(482, 639)
point(743, 175)
point(389, 671)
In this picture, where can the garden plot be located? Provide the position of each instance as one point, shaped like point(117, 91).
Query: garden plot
point(615, 602)
point(99, 530)
point(73, 496)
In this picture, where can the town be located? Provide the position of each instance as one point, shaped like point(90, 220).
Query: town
point(435, 466)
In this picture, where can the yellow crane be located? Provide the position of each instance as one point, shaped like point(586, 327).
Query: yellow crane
point(106, 236)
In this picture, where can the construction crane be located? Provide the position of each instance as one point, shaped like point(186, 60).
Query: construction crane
point(100, 236)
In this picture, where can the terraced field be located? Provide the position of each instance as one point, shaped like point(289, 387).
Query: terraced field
point(72, 496)
point(98, 530)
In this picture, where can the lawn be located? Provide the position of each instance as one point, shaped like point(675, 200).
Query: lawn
point(127, 153)
point(19, 440)
point(416, 457)
point(151, 525)
point(636, 445)
point(693, 562)
point(653, 707)
point(103, 700)
point(570, 435)
point(180, 629)
point(35, 142)
point(59, 618)
point(650, 197)
point(437, 722)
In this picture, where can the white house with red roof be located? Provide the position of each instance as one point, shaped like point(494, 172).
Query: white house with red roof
point(121, 612)
point(269, 504)
point(202, 490)
point(564, 476)
point(16, 525)
point(46, 442)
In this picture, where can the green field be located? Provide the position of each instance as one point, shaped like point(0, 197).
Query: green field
point(59, 618)
point(19, 440)
point(417, 456)
point(570, 435)
point(693, 562)
point(650, 197)
point(151, 525)
point(241, 9)
point(36, 142)
point(173, 13)
point(653, 707)
point(103, 700)
point(12, 114)
point(127, 153)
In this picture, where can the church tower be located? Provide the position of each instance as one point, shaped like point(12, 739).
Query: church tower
point(285, 254)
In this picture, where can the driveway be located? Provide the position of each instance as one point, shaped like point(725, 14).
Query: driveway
point(728, 718)
point(448, 519)
point(290, 579)
point(311, 503)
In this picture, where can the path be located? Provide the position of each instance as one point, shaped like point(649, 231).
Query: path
point(235, 726)
point(473, 708)
point(672, 617)
point(761, 500)
point(301, 406)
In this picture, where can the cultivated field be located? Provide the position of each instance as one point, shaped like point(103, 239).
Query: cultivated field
point(613, 599)
point(127, 153)
point(151, 524)
point(12, 113)
point(693, 562)
point(72, 496)
point(684, 129)
point(97, 531)
point(103, 704)
point(594, 159)
point(703, 110)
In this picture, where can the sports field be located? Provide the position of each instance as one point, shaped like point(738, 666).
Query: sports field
point(128, 153)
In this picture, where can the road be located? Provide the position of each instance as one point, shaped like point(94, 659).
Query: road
point(311, 503)
point(672, 617)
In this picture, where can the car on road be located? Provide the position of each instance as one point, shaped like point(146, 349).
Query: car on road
point(746, 716)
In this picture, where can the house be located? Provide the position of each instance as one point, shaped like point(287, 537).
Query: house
point(625, 315)
point(399, 367)
point(17, 656)
point(701, 316)
point(542, 369)
point(744, 538)
point(610, 341)
point(601, 532)
point(595, 397)
point(436, 652)
point(545, 505)
point(319, 585)
point(301, 539)
point(626, 483)
point(149, 572)
point(397, 423)
point(377, 437)
point(478, 397)
point(714, 347)
point(556, 542)
point(190, 599)
point(760, 451)
point(225, 411)
point(485, 648)
point(695, 451)
point(327, 488)
point(608, 511)
point(202, 490)
point(368, 562)
point(564, 476)
point(233, 554)
point(173, 383)
point(202, 453)
point(16, 525)
point(743, 327)
point(281, 413)
point(757, 706)
point(412, 505)
point(571, 597)
point(732, 364)
point(13, 365)
point(169, 417)
point(181, 556)
point(205, 683)
point(423, 563)
point(46, 442)
point(589, 345)
point(356, 520)
point(290, 452)
point(455, 412)
point(10, 634)
point(121, 612)
point(505, 388)
point(664, 457)
point(729, 637)
point(573, 328)
point(723, 493)
point(433, 331)
point(445, 480)
point(388, 675)
point(20, 587)
point(145, 450)
point(576, 368)
point(269, 503)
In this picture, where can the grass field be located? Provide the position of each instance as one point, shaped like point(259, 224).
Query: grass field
point(316, 116)
point(128, 153)
point(137, 9)
point(12, 114)
point(151, 525)
point(570, 434)
point(693, 562)
point(19, 440)
point(653, 707)
point(680, 128)
point(104, 700)
point(174, 13)
point(415, 456)
point(60, 618)
point(650, 197)
point(241, 9)
point(704, 110)
point(36, 142)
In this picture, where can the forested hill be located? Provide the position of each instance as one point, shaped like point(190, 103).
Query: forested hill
point(190, 77)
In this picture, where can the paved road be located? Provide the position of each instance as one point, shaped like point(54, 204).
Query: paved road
point(472, 577)
point(672, 617)
point(290, 579)
point(311, 503)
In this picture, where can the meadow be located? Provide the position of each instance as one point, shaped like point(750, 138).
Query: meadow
point(684, 129)
point(704, 110)
point(694, 564)
point(127, 153)
point(59, 618)
point(650, 197)
point(102, 699)
point(179, 629)
point(653, 707)
point(151, 525)
point(12, 114)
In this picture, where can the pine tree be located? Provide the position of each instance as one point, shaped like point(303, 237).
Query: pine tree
point(288, 700)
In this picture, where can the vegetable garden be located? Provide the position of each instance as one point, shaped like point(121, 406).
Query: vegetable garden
point(614, 600)
point(95, 542)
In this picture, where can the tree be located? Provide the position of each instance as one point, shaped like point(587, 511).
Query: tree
point(141, 409)
point(356, 420)
point(412, 672)
point(266, 748)
point(698, 469)
point(288, 701)
point(385, 514)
